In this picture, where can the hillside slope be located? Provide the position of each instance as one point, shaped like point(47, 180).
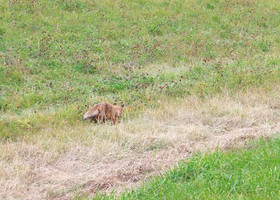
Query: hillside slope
point(191, 73)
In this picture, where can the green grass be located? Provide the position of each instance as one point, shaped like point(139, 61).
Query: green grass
point(66, 55)
point(236, 174)
point(59, 57)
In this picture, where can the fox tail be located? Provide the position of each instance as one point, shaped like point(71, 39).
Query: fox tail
point(90, 113)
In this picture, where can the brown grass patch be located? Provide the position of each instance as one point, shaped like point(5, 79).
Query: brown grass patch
point(80, 160)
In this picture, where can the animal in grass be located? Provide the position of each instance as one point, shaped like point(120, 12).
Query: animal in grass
point(104, 111)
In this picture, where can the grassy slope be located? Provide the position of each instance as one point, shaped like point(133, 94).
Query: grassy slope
point(57, 56)
point(243, 174)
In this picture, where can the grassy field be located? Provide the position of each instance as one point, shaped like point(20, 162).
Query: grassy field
point(58, 57)
point(239, 174)
point(191, 73)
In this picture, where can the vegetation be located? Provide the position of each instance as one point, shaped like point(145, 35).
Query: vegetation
point(237, 174)
point(188, 71)
point(58, 56)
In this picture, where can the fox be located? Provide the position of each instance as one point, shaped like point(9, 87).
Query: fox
point(104, 111)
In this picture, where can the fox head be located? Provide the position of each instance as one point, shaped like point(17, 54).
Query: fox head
point(119, 110)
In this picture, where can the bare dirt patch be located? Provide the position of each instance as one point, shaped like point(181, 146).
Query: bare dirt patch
point(81, 160)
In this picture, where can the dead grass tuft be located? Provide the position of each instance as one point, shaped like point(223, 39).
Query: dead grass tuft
point(86, 158)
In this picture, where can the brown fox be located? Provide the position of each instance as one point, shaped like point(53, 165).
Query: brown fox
point(104, 111)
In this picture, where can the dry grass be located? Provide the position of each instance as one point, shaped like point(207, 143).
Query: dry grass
point(57, 164)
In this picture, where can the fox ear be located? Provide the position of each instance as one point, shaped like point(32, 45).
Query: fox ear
point(122, 105)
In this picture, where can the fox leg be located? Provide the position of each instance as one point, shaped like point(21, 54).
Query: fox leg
point(101, 115)
point(104, 119)
point(100, 118)
point(115, 121)
point(93, 119)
